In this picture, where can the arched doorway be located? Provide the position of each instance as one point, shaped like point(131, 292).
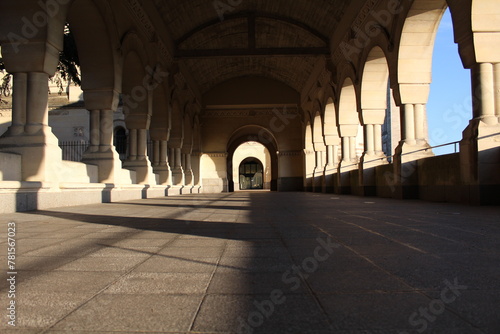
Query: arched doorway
point(251, 174)
point(246, 152)
point(253, 133)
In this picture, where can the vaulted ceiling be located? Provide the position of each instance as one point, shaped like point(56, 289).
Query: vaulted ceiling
point(279, 39)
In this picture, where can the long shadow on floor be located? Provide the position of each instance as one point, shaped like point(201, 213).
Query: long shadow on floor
point(282, 265)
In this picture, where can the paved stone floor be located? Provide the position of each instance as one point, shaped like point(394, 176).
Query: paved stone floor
point(256, 263)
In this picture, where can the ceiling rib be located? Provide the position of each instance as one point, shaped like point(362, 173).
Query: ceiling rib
point(252, 52)
point(251, 17)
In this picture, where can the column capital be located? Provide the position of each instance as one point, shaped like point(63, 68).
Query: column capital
point(348, 130)
point(105, 99)
point(41, 57)
point(373, 116)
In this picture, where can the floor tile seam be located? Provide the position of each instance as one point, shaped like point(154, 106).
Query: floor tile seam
point(408, 227)
point(386, 237)
point(101, 291)
point(422, 293)
point(445, 223)
point(51, 244)
point(451, 227)
point(423, 232)
point(378, 292)
point(142, 332)
point(75, 258)
point(310, 292)
point(210, 280)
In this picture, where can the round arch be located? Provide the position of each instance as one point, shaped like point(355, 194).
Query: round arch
point(416, 49)
point(349, 122)
point(318, 138)
point(330, 127)
point(375, 79)
point(348, 106)
point(251, 173)
point(97, 44)
point(258, 134)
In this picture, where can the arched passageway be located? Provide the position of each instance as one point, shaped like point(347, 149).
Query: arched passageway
point(253, 151)
point(251, 174)
point(266, 140)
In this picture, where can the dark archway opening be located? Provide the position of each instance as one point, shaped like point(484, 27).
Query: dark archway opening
point(266, 139)
point(120, 142)
point(251, 174)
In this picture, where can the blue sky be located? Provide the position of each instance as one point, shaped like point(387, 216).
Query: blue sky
point(449, 108)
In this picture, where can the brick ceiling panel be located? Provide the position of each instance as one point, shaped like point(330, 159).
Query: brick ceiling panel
point(296, 33)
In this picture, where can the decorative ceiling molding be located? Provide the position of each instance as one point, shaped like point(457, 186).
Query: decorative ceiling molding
point(216, 154)
point(146, 26)
point(358, 22)
point(290, 153)
point(225, 113)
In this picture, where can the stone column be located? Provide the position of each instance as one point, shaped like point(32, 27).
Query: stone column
point(414, 144)
point(377, 129)
point(161, 165)
point(101, 151)
point(348, 134)
point(29, 135)
point(188, 171)
point(138, 160)
point(319, 169)
point(332, 155)
point(413, 147)
point(19, 95)
point(195, 166)
point(373, 155)
point(480, 148)
point(177, 170)
point(95, 130)
point(156, 153)
point(132, 155)
point(309, 165)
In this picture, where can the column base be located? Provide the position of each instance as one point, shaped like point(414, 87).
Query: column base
point(329, 177)
point(41, 155)
point(318, 179)
point(368, 176)
point(347, 177)
point(143, 170)
point(411, 151)
point(110, 167)
point(164, 174)
point(188, 178)
point(480, 162)
point(178, 177)
point(406, 184)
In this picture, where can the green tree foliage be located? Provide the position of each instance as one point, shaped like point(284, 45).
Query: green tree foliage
point(67, 69)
